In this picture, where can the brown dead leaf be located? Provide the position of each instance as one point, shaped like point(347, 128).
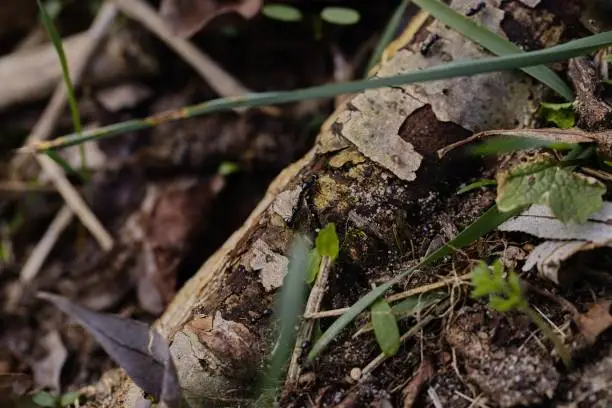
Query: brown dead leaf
point(413, 388)
point(186, 17)
point(177, 212)
point(596, 320)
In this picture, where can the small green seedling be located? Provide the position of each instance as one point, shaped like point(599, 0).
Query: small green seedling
point(282, 12)
point(326, 244)
point(226, 168)
point(505, 294)
point(291, 14)
point(47, 400)
point(560, 114)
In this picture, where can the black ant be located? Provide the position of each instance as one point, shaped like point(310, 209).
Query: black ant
point(473, 10)
point(306, 197)
point(427, 44)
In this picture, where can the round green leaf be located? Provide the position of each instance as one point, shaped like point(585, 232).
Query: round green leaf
point(340, 15)
point(282, 12)
point(327, 242)
point(44, 399)
point(385, 328)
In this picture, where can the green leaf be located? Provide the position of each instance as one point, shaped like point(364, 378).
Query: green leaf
point(327, 243)
point(450, 70)
point(572, 197)
point(561, 114)
point(69, 398)
point(340, 15)
point(482, 281)
point(507, 144)
point(388, 34)
point(59, 49)
point(314, 262)
point(282, 12)
point(493, 42)
point(385, 328)
point(475, 185)
point(485, 223)
point(414, 304)
point(44, 399)
point(226, 168)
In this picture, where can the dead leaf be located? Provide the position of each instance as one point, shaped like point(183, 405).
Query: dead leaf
point(139, 349)
point(411, 391)
point(563, 240)
point(596, 320)
point(47, 370)
point(186, 17)
point(171, 215)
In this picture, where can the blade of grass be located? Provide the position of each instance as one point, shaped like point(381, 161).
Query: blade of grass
point(59, 49)
point(475, 185)
point(65, 165)
point(454, 69)
point(387, 35)
point(484, 224)
point(508, 144)
point(289, 306)
point(493, 42)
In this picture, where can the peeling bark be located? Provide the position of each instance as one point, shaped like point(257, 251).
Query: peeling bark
point(375, 173)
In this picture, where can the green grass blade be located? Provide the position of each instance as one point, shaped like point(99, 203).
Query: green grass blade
point(493, 42)
point(53, 155)
point(59, 49)
point(289, 306)
point(454, 69)
point(387, 35)
point(484, 224)
point(508, 144)
point(475, 185)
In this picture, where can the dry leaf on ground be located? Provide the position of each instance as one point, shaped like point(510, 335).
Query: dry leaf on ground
point(186, 17)
point(596, 320)
point(563, 240)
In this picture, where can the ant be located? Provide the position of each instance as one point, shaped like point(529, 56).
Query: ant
point(306, 196)
point(427, 44)
point(473, 10)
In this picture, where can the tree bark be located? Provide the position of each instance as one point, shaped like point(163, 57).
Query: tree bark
point(374, 172)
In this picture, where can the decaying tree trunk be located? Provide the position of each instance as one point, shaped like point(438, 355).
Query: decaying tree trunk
point(374, 173)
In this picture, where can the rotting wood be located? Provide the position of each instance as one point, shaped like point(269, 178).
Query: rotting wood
point(374, 201)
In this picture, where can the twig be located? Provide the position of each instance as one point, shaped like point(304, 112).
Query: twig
point(42, 130)
point(218, 79)
point(392, 298)
point(305, 333)
point(45, 245)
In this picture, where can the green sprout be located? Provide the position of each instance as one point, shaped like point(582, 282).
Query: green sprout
point(505, 294)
